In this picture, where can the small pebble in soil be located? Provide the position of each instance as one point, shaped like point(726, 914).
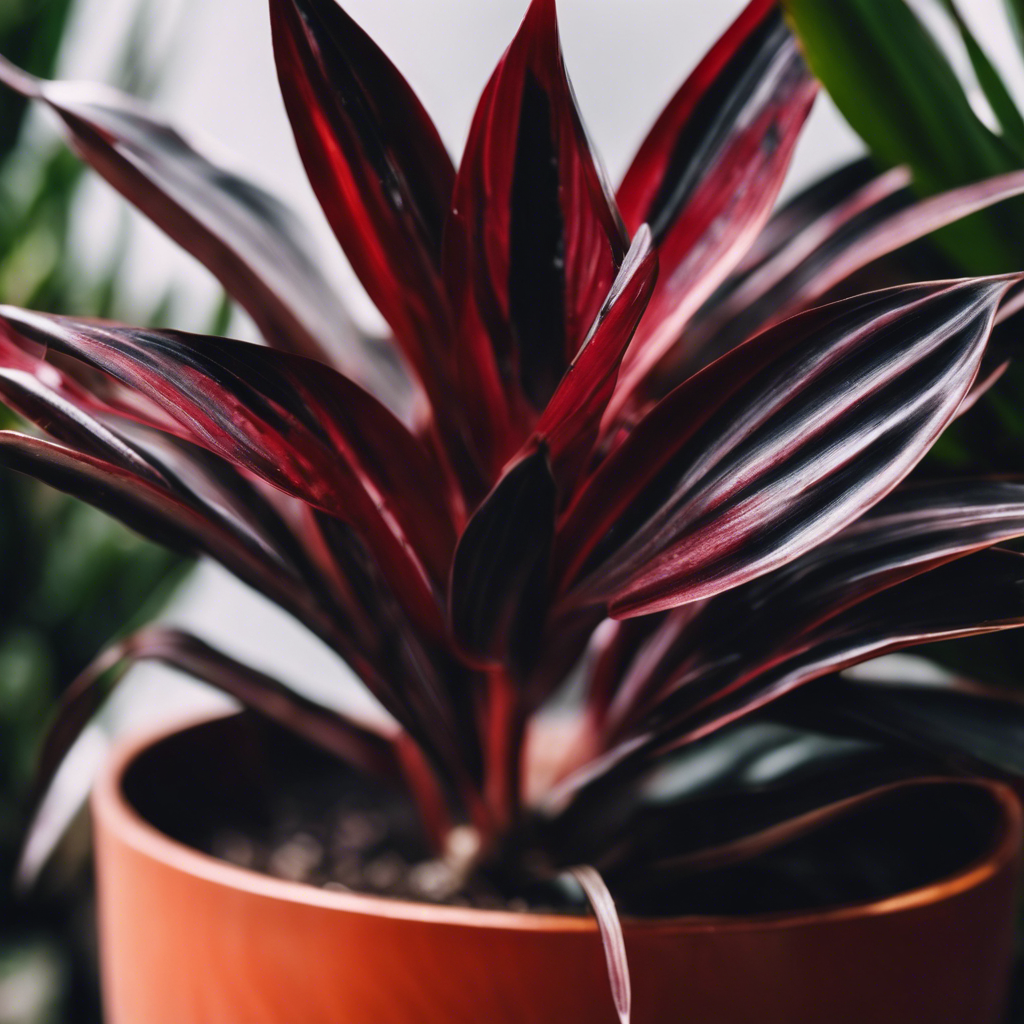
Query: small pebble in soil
point(297, 859)
point(359, 841)
point(433, 880)
point(235, 848)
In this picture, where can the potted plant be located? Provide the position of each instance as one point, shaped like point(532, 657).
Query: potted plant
point(605, 540)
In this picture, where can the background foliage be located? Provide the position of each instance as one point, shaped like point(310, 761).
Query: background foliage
point(70, 578)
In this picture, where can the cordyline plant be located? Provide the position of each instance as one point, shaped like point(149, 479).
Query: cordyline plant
point(617, 439)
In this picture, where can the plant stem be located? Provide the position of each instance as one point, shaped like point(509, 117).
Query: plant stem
point(505, 728)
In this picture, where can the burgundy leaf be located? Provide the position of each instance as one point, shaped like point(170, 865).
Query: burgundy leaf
point(901, 797)
point(364, 623)
point(739, 308)
point(707, 176)
point(247, 238)
point(608, 923)
point(158, 513)
point(534, 240)
point(615, 645)
point(858, 181)
point(293, 422)
point(206, 483)
point(738, 782)
point(499, 582)
point(915, 529)
point(964, 722)
point(419, 681)
point(570, 423)
point(830, 251)
point(774, 447)
point(369, 750)
point(378, 167)
point(981, 593)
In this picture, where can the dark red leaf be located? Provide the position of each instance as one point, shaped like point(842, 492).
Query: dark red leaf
point(707, 176)
point(158, 513)
point(534, 240)
point(570, 423)
point(247, 238)
point(983, 592)
point(831, 250)
point(500, 574)
point(774, 447)
point(378, 168)
point(293, 422)
point(915, 529)
point(835, 190)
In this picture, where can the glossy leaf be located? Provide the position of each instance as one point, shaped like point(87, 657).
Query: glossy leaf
point(534, 240)
point(813, 264)
point(246, 237)
point(295, 423)
point(745, 303)
point(707, 176)
point(980, 593)
point(150, 508)
point(571, 421)
point(378, 168)
point(915, 529)
point(499, 583)
point(833, 191)
point(774, 447)
point(418, 678)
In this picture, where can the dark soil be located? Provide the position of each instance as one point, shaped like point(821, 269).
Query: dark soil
point(279, 807)
point(354, 841)
point(271, 804)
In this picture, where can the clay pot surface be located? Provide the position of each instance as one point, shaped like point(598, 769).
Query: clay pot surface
point(188, 939)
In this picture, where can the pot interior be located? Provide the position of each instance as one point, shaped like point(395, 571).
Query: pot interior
point(230, 773)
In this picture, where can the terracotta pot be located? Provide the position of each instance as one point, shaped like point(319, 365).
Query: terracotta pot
point(187, 939)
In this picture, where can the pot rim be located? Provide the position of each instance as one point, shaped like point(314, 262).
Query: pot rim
point(112, 812)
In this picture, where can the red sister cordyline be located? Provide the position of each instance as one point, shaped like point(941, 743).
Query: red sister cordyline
point(610, 438)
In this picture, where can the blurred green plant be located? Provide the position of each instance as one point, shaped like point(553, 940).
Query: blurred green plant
point(71, 578)
point(899, 91)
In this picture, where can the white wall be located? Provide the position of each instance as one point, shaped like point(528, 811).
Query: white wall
point(626, 57)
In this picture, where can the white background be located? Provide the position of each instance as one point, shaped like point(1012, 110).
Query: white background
point(626, 57)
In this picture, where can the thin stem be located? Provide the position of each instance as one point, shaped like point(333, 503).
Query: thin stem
point(425, 791)
point(505, 728)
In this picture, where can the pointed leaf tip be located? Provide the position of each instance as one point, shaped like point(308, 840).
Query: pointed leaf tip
point(377, 166)
point(849, 397)
point(534, 240)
